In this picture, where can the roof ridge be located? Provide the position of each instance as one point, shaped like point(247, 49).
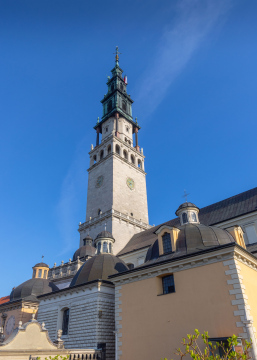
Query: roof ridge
point(231, 197)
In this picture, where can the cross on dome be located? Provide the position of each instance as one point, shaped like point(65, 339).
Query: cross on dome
point(185, 195)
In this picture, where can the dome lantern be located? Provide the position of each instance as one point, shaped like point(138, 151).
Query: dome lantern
point(104, 242)
point(40, 270)
point(188, 213)
point(87, 240)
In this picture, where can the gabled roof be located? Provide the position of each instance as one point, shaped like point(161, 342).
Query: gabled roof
point(4, 299)
point(216, 213)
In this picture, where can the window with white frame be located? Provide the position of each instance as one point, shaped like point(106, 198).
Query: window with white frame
point(166, 243)
point(251, 233)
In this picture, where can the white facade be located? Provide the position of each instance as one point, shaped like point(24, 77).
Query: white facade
point(116, 187)
point(91, 316)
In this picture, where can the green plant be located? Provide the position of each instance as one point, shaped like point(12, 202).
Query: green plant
point(229, 350)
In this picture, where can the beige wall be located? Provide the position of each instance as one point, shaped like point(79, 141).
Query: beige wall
point(20, 314)
point(249, 279)
point(153, 326)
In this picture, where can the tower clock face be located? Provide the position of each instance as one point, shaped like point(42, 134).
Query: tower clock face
point(10, 325)
point(130, 183)
point(99, 181)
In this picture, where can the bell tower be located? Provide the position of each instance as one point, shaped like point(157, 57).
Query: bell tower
point(116, 197)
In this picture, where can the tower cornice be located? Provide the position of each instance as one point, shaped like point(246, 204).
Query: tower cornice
point(107, 96)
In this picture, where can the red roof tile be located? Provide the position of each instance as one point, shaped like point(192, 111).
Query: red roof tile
point(4, 299)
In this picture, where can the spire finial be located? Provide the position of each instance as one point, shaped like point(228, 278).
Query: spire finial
point(185, 195)
point(117, 55)
point(105, 227)
point(42, 257)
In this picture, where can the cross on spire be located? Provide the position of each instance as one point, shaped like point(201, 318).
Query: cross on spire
point(117, 55)
point(185, 195)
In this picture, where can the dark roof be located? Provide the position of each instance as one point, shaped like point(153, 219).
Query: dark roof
point(193, 238)
point(185, 205)
point(169, 258)
point(99, 267)
point(30, 289)
point(86, 250)
point(252, 248)
point(88, 238)
point(104, 234)
point(41, 265)
point(216, 213)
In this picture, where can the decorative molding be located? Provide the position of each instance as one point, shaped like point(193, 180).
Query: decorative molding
point(200, 259)
point(114, 214)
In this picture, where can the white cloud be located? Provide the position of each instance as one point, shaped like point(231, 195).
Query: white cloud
point(194, 20)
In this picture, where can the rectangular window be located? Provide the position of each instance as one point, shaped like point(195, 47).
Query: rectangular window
point(168, 284)
point(65, 321)
point(39, 274)
point(166, 243)
point(251, 234)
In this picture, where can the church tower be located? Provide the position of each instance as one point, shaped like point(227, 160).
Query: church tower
point(116, 197)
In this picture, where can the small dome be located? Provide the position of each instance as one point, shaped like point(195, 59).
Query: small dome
point(88, 238)
point(83, 251)
point(34, 287)
point(99, 267)
point(41, 265)
point(185, 206)
point(104, 234)
point(193, 238)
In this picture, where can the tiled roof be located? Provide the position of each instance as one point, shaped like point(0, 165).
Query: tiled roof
point(4, 299)
point(216, 213)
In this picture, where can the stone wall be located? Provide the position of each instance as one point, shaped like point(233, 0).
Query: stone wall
point(91, 320)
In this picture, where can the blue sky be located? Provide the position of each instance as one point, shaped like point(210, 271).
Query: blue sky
point(191, 68)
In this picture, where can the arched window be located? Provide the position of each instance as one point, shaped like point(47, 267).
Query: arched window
point(125, 154)
point(130, 266)
point(117, 149)
point(34, 273)
point(124, 105)
point(45, 274)
point(112, 87)
point(65, 321)
point(110, 248)
point(99, 212)
point(193, 217)
point(39, 274)
point(139, 164)
point(109, 149)
point(184, 218)
point(101, 154)
point(105, 247)
point(121, 86)
point(132, 159)
point(98, 248)
point(109, 106)
point(94, 159)
point(166, 243)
